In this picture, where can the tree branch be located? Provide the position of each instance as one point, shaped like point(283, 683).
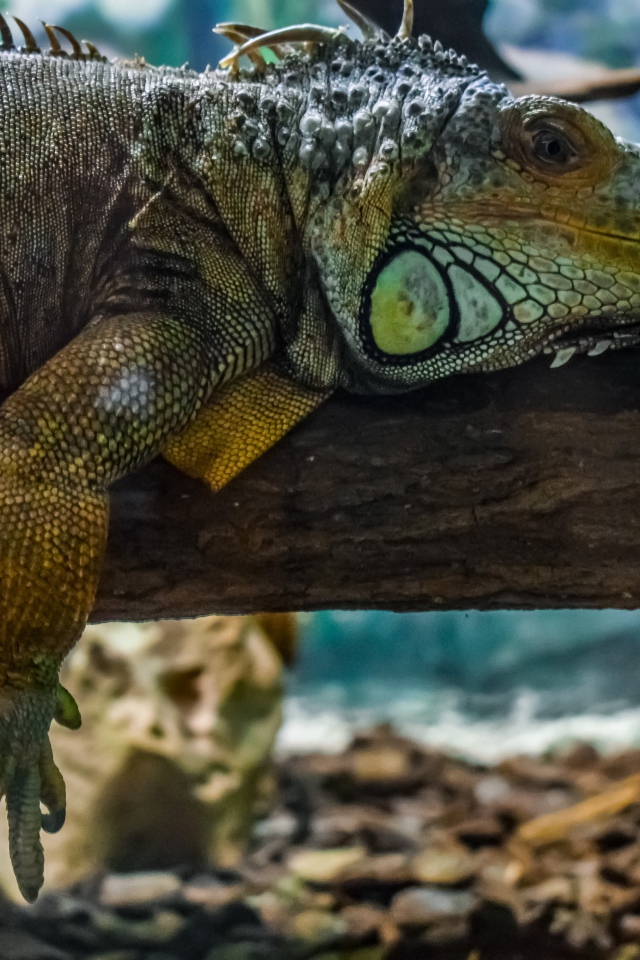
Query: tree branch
point(604, 85)
point(519, 489)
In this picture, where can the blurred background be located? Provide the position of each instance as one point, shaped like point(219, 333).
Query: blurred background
point(483, 683)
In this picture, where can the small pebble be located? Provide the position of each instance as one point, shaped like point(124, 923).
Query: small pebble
point(374, 764)
point(316, 926)
point(630, 925)
point(138, 889)
point(442, 866)
point(362, 920)
point(213, 896)
point(323, 866)
point(422, 906)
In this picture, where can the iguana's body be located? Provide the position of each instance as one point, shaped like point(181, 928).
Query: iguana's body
point(213, 255)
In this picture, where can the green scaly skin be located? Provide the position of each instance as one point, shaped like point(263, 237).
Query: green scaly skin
point(368, 215)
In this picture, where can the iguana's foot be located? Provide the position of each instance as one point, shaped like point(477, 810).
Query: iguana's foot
point(29, 776)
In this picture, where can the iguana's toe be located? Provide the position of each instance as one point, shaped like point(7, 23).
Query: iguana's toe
point(29, 776)
point(25, 848)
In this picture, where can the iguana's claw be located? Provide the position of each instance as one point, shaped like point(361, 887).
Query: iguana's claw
point(52, 792)
point(67, 713)
point(29, 776)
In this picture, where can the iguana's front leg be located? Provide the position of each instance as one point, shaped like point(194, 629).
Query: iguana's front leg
point(126, 388)
point(97, 410)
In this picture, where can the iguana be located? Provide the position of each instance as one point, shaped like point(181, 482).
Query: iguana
point(191, 263)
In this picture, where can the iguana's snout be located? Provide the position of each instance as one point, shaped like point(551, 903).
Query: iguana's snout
point(547, 219)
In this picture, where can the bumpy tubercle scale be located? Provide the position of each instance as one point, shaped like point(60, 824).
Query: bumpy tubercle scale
point(372, 215)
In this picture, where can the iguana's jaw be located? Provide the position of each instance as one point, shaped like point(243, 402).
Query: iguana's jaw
point(571, 288)
point(594, 341)
point(456, 291)
point(567, 233)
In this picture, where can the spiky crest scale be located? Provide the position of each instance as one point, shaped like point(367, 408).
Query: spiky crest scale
point(310, 34)
point(369, 29)
point(308, 43)
point(29, 39)
point(304, 34)
point(406, 27)
point(298, 46)
point(240, 33)
point(56, 50)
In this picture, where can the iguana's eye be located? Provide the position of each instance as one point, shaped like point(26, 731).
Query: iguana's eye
point(547, 144)
point(553, 139)
point(550, 146)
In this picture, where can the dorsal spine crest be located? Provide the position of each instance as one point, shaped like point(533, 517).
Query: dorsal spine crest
point(56, 50)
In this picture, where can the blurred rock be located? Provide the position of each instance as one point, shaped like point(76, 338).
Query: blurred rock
point(115, 955)
point(439, 870)
point(385, 868)
point(380, 765)
point(324, 866)
point(236, 951)
point(553, 890)
point(317, 926)
point(362, 920)
point(423, 906)
point(210, 894)
point(622, 764)
point(578, 756)
point(443, 866)
point(481, 832)
point(138, 889)
point(172, 760)
point(630, 951)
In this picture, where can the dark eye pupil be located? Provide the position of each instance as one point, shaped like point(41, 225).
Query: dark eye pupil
point(550, 147)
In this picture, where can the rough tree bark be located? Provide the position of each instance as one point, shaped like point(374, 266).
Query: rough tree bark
point(518, 489)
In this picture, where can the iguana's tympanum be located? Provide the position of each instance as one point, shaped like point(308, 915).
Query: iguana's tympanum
point(190, 263)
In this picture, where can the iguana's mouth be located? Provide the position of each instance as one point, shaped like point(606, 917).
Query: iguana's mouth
point(594, 340)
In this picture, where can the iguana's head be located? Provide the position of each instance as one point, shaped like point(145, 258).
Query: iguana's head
point(518, 229)
point(453, 228)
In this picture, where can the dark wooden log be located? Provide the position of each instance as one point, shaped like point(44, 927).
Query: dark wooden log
point(511, 490)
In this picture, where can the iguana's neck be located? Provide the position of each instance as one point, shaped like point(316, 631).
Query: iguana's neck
point(281, 151)
point(272, 127)
point(241, 142)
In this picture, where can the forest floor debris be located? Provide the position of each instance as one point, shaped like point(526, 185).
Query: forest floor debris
point(388, 851)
